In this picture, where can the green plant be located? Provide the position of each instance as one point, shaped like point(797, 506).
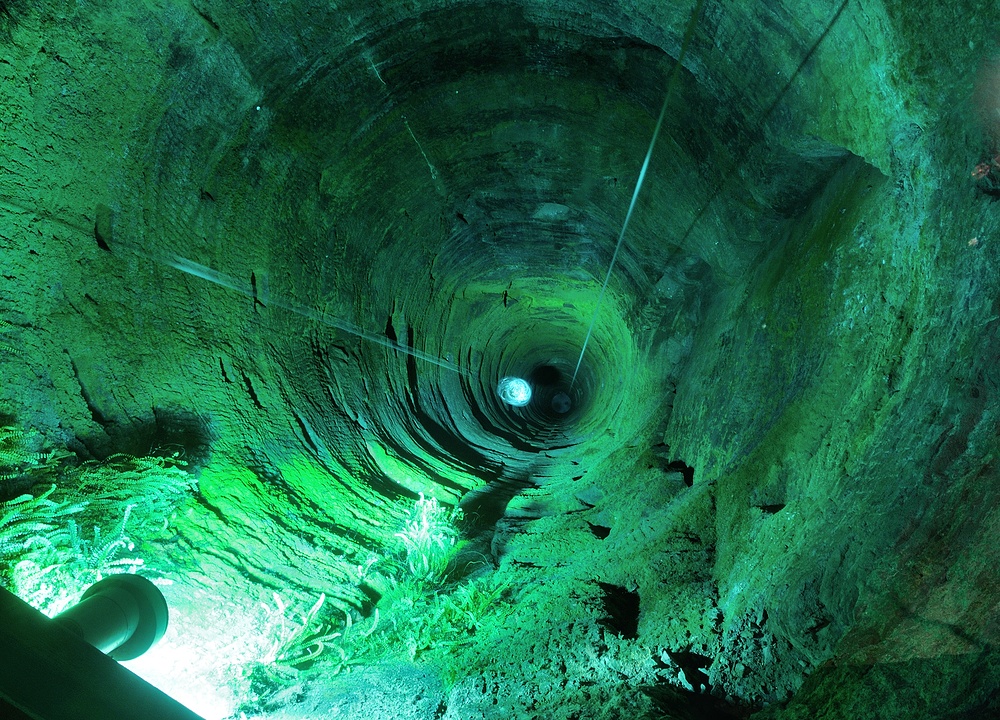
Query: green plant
point(30, 525)
point(5, 326)
point(84, 527)
point(18, 458)
point(14, 452)
point(292, 641)
point(298, 640)
point(449, 620)
point(55, 565)
point(150, 488)
point(98, 557)
point(415, 615)
point(429, 538)
point(411, 621)
point(34, 544)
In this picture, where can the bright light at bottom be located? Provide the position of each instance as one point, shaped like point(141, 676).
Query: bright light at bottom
point(175, 670)
point(200, 662)
point(514, 391)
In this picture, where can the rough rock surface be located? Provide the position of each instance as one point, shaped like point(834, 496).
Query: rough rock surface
point(774, 494)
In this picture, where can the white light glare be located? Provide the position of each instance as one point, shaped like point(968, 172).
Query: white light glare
point(514, 391)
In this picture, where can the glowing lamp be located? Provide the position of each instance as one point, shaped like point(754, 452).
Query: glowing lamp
point(514, 391)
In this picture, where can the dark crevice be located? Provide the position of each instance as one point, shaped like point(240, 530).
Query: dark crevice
point(771, 509)
point(250, 391)
point(622, 608)
point(103, 227)
point(692, 665)
point(306, 432)
point(95, 412)
point(675, 702)
point(684, 469)
point(599, 531)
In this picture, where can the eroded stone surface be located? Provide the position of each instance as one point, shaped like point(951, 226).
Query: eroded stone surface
point(781, 442)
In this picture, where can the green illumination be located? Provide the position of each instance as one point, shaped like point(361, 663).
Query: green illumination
point(777, 462)
point(399, 472)
point(244, 654)
point(412, 479)
point(6, 347)
point(429, 538)
point(94, 520)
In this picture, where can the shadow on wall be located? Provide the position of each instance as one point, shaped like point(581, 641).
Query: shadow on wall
point(957, 687)
point(165, 430)
point(485, 508)
point(679, 704)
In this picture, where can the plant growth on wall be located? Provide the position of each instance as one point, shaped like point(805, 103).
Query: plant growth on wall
point(77, 523)
point(429, 607)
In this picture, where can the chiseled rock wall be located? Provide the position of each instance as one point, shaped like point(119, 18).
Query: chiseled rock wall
point(781, 463)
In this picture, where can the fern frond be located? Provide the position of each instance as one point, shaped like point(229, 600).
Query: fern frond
point(5, 346)
point(28, 522)
point(150, 487)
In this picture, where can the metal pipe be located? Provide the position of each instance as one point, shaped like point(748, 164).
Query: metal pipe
point(48, 673)
point(121, 615)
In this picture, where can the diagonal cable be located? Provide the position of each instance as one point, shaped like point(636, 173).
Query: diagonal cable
point(688, 35)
